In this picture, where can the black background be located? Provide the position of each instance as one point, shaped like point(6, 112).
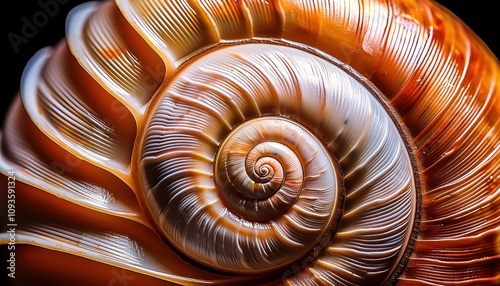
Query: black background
point(481, 18)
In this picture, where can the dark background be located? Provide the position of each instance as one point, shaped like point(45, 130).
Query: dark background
point(480, 16)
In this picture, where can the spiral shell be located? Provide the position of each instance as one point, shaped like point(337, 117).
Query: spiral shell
point(256, 142)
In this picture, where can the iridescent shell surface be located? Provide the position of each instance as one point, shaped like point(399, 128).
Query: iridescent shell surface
point(257, 142)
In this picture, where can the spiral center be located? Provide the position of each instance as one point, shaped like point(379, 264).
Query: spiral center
point(264, 170)
point(261, 166)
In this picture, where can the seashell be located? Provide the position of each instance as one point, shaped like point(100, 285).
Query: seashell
point(255, 142)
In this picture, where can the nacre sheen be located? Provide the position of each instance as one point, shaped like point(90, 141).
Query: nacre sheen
point(212, 220)
point(256, 142)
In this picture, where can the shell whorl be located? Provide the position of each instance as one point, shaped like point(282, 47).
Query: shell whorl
point(240, 156)
point(300, 142)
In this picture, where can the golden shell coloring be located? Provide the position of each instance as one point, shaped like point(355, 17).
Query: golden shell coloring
point(256, 142)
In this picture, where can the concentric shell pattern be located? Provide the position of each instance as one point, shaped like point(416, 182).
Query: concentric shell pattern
point(256, 142)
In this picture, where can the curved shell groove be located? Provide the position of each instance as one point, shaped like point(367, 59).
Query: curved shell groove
point(258, 142)
point(321, 98)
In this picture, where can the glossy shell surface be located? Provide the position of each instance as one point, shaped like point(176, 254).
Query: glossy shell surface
point(257, 142)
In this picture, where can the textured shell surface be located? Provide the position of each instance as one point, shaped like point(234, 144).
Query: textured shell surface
point(255, 142)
